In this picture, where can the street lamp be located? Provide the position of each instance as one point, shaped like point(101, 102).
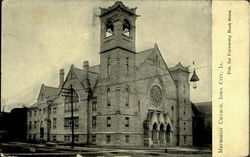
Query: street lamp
point(194, 78)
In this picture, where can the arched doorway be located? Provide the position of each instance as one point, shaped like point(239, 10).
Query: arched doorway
point(154, 133)
point(168, 133)
point(161, 134)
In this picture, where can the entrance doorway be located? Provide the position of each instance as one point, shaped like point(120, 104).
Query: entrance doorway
point(41, 130)
point(161, 134)
point(168, 133)
point(154, 133)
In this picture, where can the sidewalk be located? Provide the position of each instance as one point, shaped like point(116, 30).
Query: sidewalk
point(181, 150)
point(92, 149)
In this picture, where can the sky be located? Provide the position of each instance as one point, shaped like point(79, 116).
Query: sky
point(41, 37)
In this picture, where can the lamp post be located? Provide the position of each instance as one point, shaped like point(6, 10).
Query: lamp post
point(194, 78)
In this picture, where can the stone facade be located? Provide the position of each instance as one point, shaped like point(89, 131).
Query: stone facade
point(130, 98)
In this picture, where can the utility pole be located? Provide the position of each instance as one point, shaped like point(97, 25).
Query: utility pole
point(72, 115)
point(68, 93)
point(88, 119)
point(48, 120)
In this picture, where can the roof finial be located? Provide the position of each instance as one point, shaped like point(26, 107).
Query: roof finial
point(156, 46)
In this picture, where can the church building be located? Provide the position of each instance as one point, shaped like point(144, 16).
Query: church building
point(130, 98)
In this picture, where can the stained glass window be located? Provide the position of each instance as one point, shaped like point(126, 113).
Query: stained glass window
point(156, 95)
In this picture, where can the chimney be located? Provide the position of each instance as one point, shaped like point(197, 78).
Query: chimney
point(86, 69)
point(61, 76)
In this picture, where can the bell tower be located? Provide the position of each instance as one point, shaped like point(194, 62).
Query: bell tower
point(118, 28)
point(117, 70)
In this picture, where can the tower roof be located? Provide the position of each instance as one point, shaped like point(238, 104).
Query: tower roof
point(179, 66)
point(118, 4)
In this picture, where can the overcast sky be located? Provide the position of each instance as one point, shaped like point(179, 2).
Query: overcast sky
point(41, 36)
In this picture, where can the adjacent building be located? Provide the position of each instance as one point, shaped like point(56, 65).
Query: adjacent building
point(13, 125)
point(130, 98)
point(202, 123)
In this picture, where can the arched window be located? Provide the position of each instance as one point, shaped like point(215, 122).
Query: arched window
point(127, 96)
point(109, 28)
point(108, 97)
point(126, 28)
point(75, 100)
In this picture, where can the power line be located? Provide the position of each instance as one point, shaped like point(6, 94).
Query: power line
point(206, 66)
point(150, 77)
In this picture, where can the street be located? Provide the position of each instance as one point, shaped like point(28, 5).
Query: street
point(25, 149)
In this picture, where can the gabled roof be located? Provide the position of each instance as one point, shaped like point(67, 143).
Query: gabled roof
point(51, 91)
point(78, 73)
point(48, 91)
point(93, 75)
point(142, 56)
point(95, 68)
point(93, 79)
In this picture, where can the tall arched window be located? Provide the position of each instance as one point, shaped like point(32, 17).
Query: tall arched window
point(126, 28)
point(185, 106)
point(108, 97)
point(109, 28)
point(127, 96)
point(75, 99)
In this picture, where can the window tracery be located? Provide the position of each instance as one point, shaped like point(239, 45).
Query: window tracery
point(156, 95)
